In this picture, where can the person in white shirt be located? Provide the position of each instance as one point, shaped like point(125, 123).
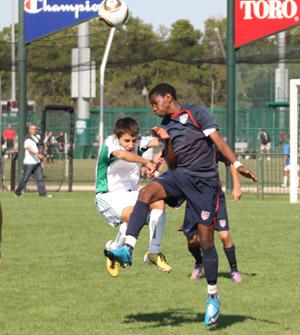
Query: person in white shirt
point(117, 177)
point(32, 163)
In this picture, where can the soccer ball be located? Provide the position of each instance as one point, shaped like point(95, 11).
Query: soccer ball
point(113, 12)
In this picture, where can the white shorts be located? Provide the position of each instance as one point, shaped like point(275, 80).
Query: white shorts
point(111, 205)
point(265, 146)
point(287, 167)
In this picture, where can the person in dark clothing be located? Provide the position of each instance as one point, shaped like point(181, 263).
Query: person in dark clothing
point(189, 135)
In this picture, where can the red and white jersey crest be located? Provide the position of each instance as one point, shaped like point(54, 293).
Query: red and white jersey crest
point(205, 215)
point(223, 223)
point(183, 118)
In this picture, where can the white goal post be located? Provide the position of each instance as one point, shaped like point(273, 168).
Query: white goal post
point(294, 84)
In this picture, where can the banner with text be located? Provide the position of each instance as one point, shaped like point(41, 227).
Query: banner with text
point(45, 17)
point(255, 19)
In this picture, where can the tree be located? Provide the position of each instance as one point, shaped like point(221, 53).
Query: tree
point(139, 57)
point(184, 35)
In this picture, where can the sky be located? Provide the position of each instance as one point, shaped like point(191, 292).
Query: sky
point(155, 12)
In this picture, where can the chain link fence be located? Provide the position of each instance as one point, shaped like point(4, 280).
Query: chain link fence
point(269, 169)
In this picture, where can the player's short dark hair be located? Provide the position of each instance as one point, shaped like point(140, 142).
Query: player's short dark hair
point(126, 125)
point(163, 89)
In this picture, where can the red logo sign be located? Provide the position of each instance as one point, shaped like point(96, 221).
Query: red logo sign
point(255, 19)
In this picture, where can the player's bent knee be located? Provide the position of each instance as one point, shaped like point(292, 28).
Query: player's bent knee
point(206, 242)
point(226, 239)
point(145, 195)
point(160, 204)
point(224, 235)
point(151, 193)
point(206, 236)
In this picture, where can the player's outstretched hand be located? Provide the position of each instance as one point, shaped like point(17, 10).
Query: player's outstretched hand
point(158, 158)
point(236, 194)
point(161, 133)
point(245, 172)
point(150, 168)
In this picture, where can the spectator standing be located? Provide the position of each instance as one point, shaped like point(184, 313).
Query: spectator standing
point(281, 139)
point(1, 161)
point(9, 136)
point(51, 141)
point(287, 163)
point(60, 139)
point(32, 163)
point(265, 143)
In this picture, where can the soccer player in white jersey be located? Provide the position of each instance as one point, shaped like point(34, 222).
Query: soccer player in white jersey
point(117, 177)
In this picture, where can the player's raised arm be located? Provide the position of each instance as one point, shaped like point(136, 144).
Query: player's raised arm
point(228, 153)
point(134, 158)
point(161, 133)
point(154, 143)
point(168, 151)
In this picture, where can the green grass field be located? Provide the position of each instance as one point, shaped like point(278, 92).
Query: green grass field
point(53, 278)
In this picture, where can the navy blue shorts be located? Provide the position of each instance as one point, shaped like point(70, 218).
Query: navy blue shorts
point(220, 221)
point(200, 194)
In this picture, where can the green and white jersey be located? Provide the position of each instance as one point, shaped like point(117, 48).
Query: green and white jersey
point(114, 174)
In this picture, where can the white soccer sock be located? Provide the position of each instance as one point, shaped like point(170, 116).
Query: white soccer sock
point(157, 222)
point(120, 238)
point(212, 289)
point(285, 180)
point(131, 241)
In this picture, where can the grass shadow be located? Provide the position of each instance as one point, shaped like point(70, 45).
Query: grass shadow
point(171, 317)
point(228, 276)
point(244, 274)
point(178, 317)
point(229, 320)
